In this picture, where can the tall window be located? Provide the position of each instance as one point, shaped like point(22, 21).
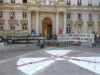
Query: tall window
point(24, 15)
point(12, 1)
point(68, 28)
point(90, 28)
point(24, 27)
point(12, 15)
point(79, 16)
point(12, 27)
point(68, 15)
point(90, 16)
point(24, 1)
point(1, 1)
point(79, 2)
point(68, 2)
point(1, 26)
point(89, 2)
point(1, 14)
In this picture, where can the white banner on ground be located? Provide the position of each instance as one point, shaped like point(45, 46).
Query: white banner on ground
point(76, 37)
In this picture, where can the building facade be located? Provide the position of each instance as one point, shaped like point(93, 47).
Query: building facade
point(20, 17)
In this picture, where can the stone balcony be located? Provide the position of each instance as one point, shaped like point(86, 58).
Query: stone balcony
point(79, 22)
point(13, 21)
point(90, 22)
point(24, 21)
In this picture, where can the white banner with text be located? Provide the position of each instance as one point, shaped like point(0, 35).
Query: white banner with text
point(76, 37)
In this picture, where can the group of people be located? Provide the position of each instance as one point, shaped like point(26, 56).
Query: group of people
point(51, 36)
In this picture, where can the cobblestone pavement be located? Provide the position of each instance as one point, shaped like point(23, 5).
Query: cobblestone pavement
point(71, 60)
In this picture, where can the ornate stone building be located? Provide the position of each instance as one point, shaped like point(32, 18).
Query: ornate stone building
point(20, 17)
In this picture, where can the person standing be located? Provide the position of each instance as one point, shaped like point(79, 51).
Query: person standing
point(95, 38)
point(1, 42)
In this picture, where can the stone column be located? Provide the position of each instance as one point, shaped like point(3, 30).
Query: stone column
point(65, 23)
point(6, 23)
point(96, 27)
point(57, 23)
point(37, 23)
point(85, 28)
point(29, 22)
point(85, 25)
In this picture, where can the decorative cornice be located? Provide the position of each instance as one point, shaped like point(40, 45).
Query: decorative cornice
point(59, 7)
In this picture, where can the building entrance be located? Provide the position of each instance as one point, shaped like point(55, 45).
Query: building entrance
point(46, 26)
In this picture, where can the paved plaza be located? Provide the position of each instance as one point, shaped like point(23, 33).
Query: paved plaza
point(71, 60)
